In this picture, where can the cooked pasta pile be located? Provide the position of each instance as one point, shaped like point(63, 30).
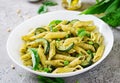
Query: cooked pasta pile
point(62, 46)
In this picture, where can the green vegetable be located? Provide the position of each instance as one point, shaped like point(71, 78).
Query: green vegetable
point(90, 42)
point(113, 6)
point(88, 61)
point(49, 3)
point(111, 9)
point(96, 45)
point(46, 70)
point(77, 81)
point(45, 43)
point(53, 23)
point(98, 8)
point(112, 18)
point(35, 58)
point(82, 33)
point(90, 53)
point(66, 63)
point(52, 29)
point(68, 48)
point(74, 20)
point(97, 1)
point(42, 9)
point(43, 79)
point(39, 30)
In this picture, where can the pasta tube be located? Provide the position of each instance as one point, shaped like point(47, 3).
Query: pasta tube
point(99, 53)
point(52, 50)
point(42, 56)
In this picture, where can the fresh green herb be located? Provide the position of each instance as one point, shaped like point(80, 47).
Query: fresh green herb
point(59, 80)
point(112, 18)
point(66, 63)
point(113, 6)
point(82, 33)
point(110, 8)
point(46, 69)
point(77, 81)
point(90, 53)
point(52, 25)
point(98, 8)
point(54, 30)
point(49, 3)
point(42, 9)
point(43, 79)
point(35, 58)
point(97, 1)
point(54, 22)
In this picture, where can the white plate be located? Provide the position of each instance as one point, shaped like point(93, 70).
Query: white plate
point(14, 41)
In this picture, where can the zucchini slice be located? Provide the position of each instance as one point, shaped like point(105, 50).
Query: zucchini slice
point(74, 20)
point(35, 58)
point(96, 45)
point(45, 43)
point(63, 49)
point(39, 30)
point(87, 62)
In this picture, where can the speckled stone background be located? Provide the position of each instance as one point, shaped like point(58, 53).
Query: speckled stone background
point(106, 72)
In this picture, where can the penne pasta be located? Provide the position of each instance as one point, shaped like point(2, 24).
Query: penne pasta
point(76, 62)
point(56, 63)
point(86, 46)
point(42, 56)
point(62, 46)
point(52, 50)
point(67, 69)
point(54, 35)
point(71, 40)
point(99, 53)
point(26, 57)
point(64, 57)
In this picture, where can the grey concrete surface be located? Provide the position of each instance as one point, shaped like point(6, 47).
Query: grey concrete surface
point(106, 72)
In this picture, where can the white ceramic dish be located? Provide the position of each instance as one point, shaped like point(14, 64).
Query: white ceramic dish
point(14, 41)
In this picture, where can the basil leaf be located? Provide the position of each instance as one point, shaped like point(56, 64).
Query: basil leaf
point(49, 3)
point(54, 23)
point(43, 79)
point(42, 9)
point(82, 33)
point(59, 80)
